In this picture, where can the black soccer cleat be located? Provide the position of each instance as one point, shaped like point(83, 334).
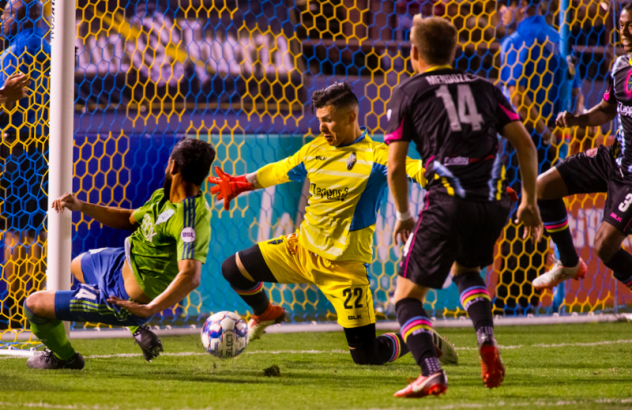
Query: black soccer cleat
point(149, 342)
point(48, 361)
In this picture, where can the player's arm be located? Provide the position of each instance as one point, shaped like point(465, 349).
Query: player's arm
point(186, 281)
point(414, 167)
point(228, 187)
point(528, 212)
point(598, 115)
point(117, 218)
point(14, 88)
point(398, 184)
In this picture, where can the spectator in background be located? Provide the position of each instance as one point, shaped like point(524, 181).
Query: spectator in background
point(23, 150)
point(540, 82)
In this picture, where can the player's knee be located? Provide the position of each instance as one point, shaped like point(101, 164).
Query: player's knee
point(36, 303)
point(229, 268)
point(604, 248)
point(361, 355)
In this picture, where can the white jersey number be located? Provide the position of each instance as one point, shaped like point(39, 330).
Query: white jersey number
point(623, 206)
point(467, 114)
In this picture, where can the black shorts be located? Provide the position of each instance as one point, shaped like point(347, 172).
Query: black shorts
point(596, 171)
point(452, 229)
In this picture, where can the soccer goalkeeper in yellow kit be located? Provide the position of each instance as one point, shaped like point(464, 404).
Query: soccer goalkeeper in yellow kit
point(334, 245)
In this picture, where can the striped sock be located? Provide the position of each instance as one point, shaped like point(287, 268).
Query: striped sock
point(255, 297)
point(251, 292)
point(396, 344)
point(627, 282)
point(417, 333)
point(555, 220)
point(475, 299)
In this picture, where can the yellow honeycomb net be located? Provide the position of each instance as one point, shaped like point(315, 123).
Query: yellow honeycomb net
point(240, 76)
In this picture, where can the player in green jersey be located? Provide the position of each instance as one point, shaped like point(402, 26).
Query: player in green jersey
point(159, 266)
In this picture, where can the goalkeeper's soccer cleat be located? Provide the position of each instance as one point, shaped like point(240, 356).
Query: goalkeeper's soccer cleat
point(273, 315)
point(492, 368)
point(434, 384)
point(48, 361)
point(559, 274)
point(444, 350)
point(149, 342)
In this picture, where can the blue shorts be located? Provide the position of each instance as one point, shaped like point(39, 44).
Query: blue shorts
point(103, 277)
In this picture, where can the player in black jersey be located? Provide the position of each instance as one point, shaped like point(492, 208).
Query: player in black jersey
point(453, 118)
point(602, 169)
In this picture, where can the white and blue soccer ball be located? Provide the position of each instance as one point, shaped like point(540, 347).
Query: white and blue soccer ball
point(225, 335)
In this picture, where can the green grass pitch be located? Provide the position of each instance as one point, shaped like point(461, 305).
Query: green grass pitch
point(593, 370)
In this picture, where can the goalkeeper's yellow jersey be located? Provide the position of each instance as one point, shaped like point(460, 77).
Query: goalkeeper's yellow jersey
point(347, 184)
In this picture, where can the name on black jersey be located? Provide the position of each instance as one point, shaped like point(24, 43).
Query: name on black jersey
point(624, 109)
point(333, 194)
point(449, 79)
point(456, 161)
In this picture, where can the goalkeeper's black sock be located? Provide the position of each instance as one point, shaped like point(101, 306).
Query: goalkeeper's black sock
point(390, 347)
point(368, 349)
point(417, 333)
point(251, 292)
point(621, 265)
point(475, 299)
point(555, 220)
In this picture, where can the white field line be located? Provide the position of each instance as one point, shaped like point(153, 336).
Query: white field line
point(542, 346)
point(498, 404)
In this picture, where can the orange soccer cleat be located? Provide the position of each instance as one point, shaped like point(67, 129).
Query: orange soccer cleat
point(492, 368)
point(435, 384)
point(257, 324)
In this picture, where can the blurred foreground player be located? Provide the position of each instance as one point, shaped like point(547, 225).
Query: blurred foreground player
point(602, 169)
point(159, 266)
point(334, 245)
point(453, 118)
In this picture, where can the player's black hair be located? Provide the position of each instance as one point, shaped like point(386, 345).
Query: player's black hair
point(339, 94)
point(194, 159)
point(626, 6)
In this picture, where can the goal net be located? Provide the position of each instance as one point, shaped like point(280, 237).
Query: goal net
point(240, 75)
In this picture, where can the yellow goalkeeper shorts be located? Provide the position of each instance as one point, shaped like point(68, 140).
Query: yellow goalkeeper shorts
point(344, 283)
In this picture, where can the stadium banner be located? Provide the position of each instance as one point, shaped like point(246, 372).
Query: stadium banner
point(185, 54)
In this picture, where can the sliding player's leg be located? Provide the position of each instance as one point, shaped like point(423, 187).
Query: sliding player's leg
point(346, 285)
point(102, 270)
point(616, 226)
point(366, 348)
point(586, 172)
point(273, 261)
point(39, 309)
point(149, 343)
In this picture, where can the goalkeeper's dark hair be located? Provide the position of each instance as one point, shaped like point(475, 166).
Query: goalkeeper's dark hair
point(627, 6)
point(194, 159)
point(338, 95)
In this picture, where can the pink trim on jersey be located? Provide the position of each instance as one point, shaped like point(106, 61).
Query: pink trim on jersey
point(412, 244)
point(512, 115)
point(606, 95)
point(396, 135)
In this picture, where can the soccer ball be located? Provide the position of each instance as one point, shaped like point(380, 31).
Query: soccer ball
point(225, 334)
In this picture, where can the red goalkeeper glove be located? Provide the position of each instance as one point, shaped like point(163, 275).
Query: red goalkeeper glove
point(228, 187)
